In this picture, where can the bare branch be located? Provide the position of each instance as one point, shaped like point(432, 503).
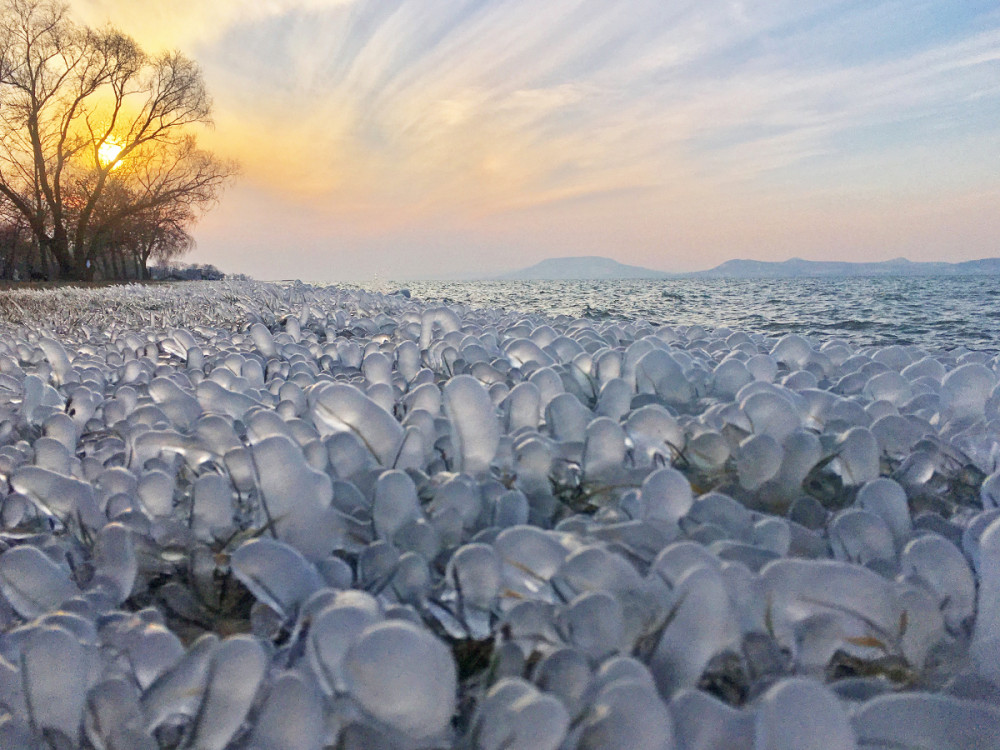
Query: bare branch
point(66, 91)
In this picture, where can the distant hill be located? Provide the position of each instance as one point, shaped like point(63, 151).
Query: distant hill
point(596, 267)
point(799, 268)
point(586, 267)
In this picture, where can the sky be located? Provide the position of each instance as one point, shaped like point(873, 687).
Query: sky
point(408, 139)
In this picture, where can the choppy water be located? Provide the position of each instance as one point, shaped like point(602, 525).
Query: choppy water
point(932, 312)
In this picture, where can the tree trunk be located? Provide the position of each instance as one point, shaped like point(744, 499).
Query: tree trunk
point(144, 260)
point(63, 268)
point(83, 269)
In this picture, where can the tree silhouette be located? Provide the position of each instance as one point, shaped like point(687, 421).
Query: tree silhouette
point(96, 147)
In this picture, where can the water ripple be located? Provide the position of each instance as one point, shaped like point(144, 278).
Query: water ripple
point(932, 312)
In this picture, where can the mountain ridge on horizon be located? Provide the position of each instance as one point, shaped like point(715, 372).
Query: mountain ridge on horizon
point(598, 267)
point(582, 267)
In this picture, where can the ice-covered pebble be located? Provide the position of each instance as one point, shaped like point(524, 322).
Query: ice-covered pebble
point(934, 562)
point(629, 714)
point(922, 720)
point(276, 574)
point(702, 625)
point(291, 717)
point(402, 675)
point(985, 648)
point(781, 722)
point(32, 583)
point(237, 668)
point(474, 426)
point(55, 675)
point(705, 723)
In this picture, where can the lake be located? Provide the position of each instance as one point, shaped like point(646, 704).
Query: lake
point(932, 312)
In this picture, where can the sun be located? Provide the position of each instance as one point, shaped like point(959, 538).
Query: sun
point(108, 152)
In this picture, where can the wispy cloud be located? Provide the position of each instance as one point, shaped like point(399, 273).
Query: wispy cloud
point(445, 113)
point(182, 23)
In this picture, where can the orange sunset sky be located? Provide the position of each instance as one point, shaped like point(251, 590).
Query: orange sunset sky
point(427, 138)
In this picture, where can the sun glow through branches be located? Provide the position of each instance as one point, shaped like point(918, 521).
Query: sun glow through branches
point(108, 152)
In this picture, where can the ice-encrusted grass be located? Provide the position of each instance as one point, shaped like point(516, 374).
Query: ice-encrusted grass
point(246, 515)
point(71, 309)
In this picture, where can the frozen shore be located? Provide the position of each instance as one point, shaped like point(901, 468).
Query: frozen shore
point(243, 515)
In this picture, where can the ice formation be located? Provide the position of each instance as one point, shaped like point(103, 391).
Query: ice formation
point(243, 516)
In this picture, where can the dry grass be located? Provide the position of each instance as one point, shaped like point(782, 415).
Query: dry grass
point(69, 308)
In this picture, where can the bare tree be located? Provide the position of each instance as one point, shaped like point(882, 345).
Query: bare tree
point(95, 133)
point(159, 233)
